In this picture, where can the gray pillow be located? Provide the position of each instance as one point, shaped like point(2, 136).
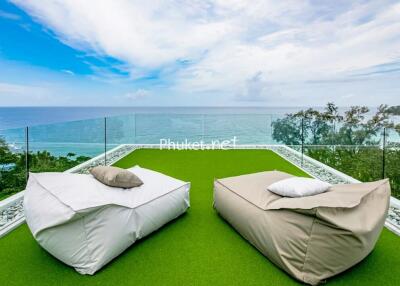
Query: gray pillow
point(116, 177)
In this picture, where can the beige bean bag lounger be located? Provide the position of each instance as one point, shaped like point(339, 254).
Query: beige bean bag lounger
point(311, 238)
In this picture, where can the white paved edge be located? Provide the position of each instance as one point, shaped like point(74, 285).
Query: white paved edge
point(293, 163)
point(19, 196)
point(10, 227)
point(395, 202)
point(11, 200)
point(99, 157)
point(322, 165)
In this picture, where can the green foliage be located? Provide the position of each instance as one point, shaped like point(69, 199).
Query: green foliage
point(350, 143)
point(287, 130)
point(362, 162)
point(6, 156)
point(13, 181)
point(392, 169)
point(331, 128)
point(43, 161)
point(395, 110)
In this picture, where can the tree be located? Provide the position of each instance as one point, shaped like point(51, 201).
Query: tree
point(6, 156)
point(287, 130)
point(349, 142)
point(13, 181)
point(394, 110)
point(328, 127)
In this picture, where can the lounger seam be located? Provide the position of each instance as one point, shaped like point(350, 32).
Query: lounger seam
point(307, 246)
point(87, 240)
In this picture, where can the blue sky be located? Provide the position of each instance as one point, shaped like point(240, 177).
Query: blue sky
point(199, 53)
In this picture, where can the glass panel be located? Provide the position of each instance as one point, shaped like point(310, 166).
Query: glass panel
point(287, 130)
point(349, 148)
point(59, 147)
point(12, 162)
point(392, 160)
point(248, 129)
point(151, 128)
point(120, 130)
point(363, 163)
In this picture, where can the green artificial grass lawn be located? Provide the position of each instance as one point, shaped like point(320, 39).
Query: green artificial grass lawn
point(199, 248)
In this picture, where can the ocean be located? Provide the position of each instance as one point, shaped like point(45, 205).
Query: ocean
point(81, 130)
point(16, 117)
point(84, 130)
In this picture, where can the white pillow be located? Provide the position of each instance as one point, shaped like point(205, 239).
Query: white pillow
point(299, 187)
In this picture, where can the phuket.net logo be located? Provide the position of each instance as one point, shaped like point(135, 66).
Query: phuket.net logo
point(167, 143)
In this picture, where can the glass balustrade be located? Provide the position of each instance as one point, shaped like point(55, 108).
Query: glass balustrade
point(61, 146)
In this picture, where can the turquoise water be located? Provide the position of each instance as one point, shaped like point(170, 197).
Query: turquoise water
point(141, 125)
point(88, 137)
point(15, 117)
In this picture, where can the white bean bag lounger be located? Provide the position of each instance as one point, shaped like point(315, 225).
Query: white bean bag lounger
point(86, 224)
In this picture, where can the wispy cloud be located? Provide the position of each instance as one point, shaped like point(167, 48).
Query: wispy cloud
point(9, 16)
point(383, 69)
point(68, 72)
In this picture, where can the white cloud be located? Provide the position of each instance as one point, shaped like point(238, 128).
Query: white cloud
point(145, 34)
point(314, 50)
point(228, 42)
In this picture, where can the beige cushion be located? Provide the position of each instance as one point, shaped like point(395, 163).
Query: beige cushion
point(116, 177)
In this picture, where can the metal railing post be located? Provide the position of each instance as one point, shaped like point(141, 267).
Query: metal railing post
point(202, 127)
point(302, 141)
point(134, 128)
point(266, 130)
point(270, 127)
point(383, 152)
point(27, 152)
point(105, 141)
